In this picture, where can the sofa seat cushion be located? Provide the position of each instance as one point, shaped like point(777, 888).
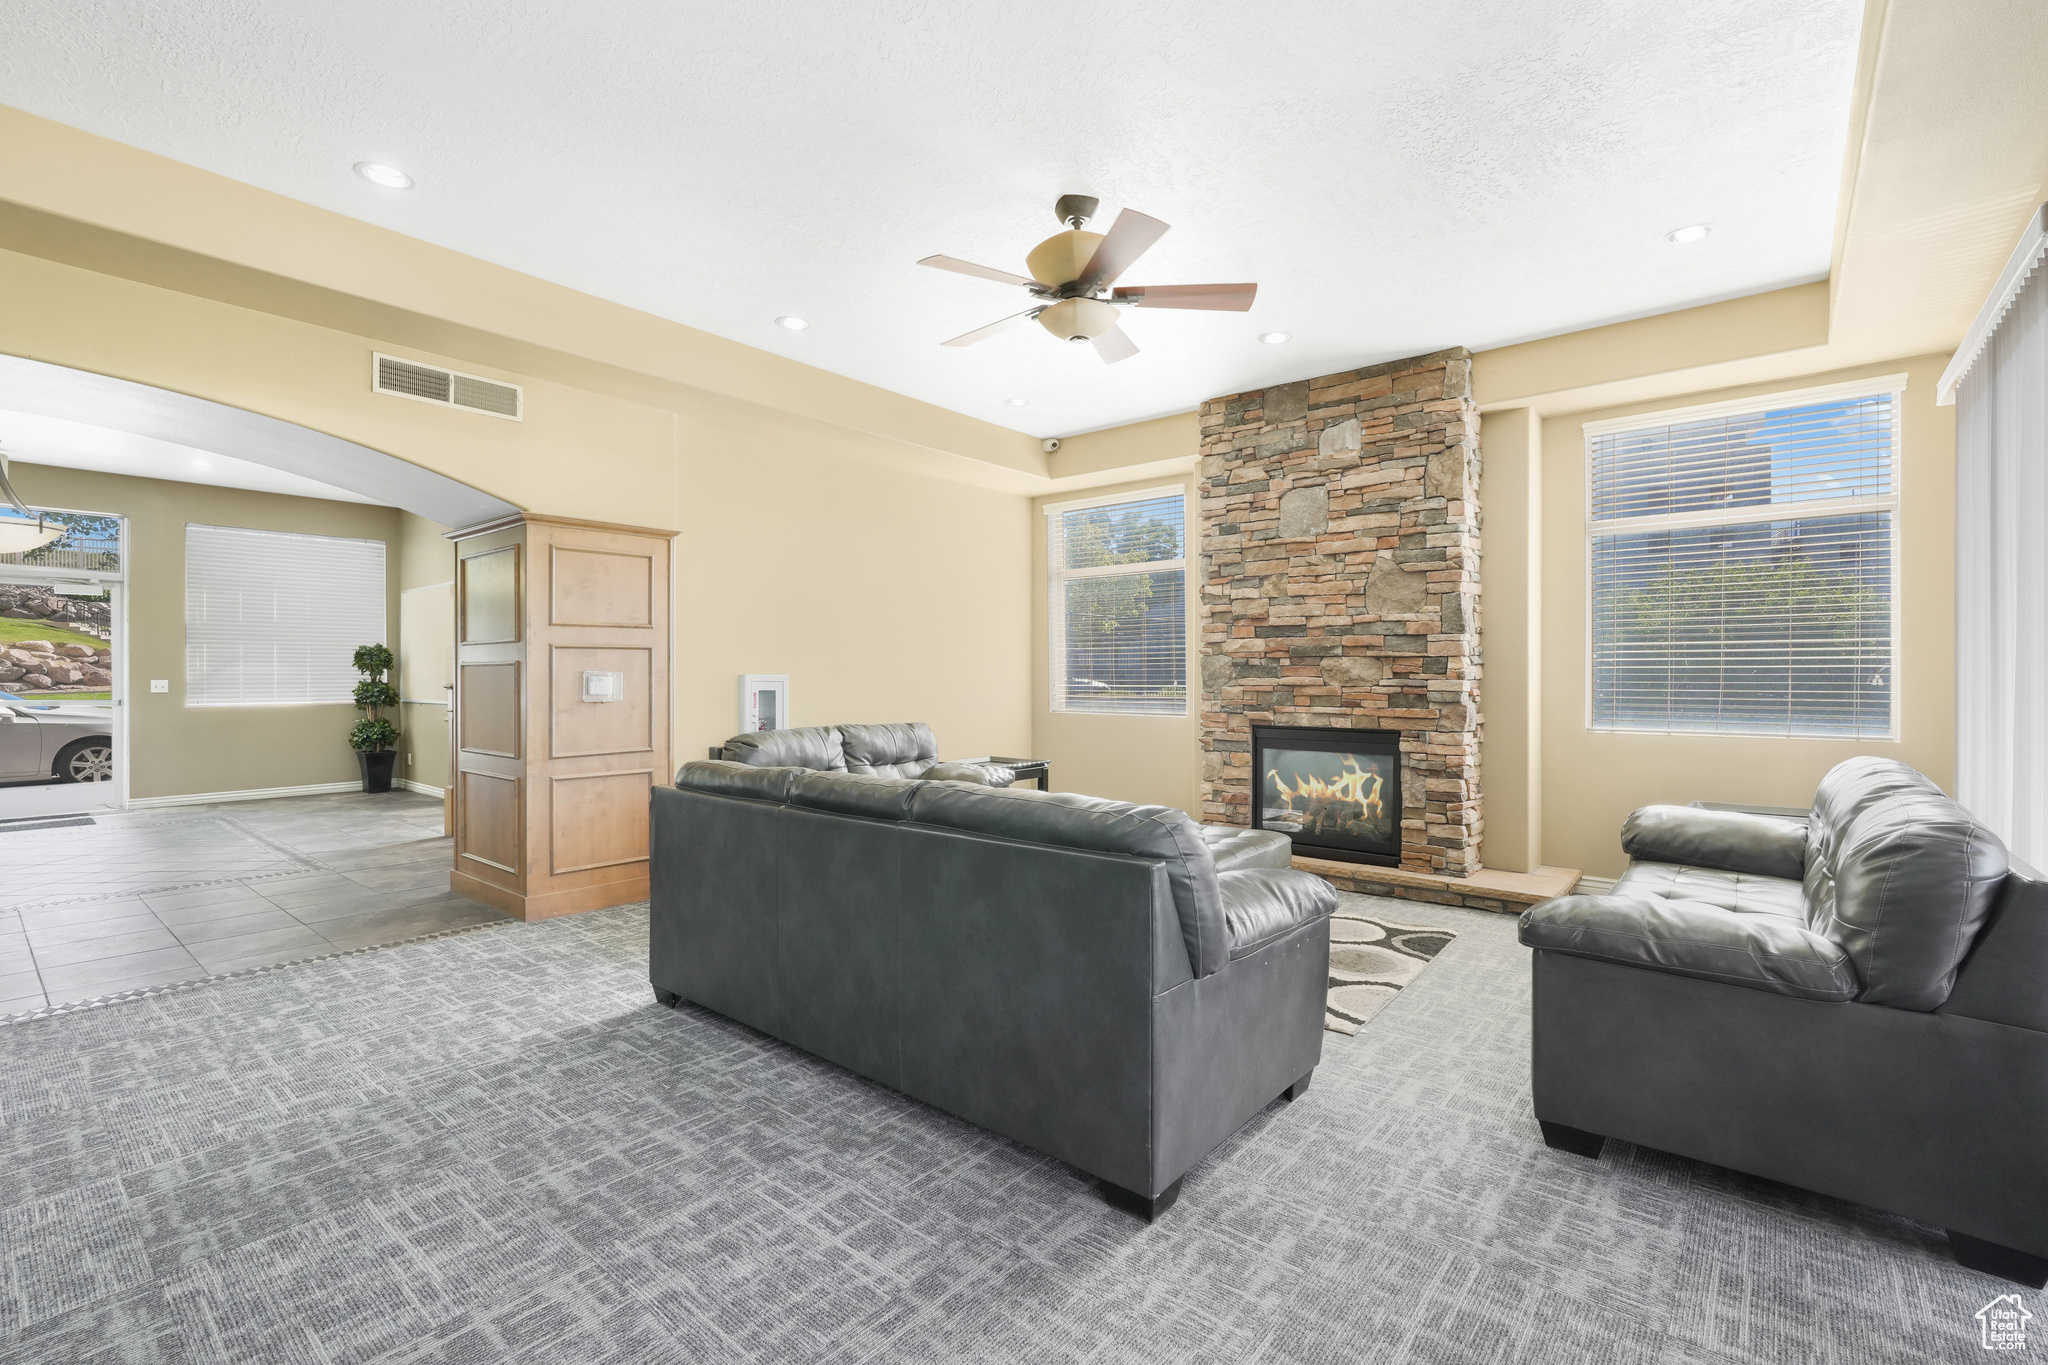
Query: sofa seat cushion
point(1235, 849)
point(1070, 820)
point(1692, 938)
point(1261, 904)
point(1739, 891)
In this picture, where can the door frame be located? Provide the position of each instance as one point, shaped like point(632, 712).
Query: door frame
point(63, 798)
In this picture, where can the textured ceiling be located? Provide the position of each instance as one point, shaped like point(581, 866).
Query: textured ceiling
point(1397, 178)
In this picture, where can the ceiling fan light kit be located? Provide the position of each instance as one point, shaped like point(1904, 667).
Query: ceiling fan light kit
point(1074, 274)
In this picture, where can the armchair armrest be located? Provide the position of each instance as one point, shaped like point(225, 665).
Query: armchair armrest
point(1733, 841)
point(1691, 938)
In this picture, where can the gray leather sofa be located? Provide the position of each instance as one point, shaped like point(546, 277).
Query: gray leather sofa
point(1855, 1003)
point(1071, 972)
point(906, 749)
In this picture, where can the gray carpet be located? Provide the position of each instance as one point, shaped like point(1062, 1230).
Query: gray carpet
point(496, 1148)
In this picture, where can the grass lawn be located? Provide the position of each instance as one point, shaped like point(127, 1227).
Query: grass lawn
point(61, 696)
point(12, 630)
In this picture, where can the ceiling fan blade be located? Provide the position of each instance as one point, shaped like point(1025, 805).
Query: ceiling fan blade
point(969, 338)
point(1229, 298)
point(1115, 345)
point(1130, 237)
point(986, 272)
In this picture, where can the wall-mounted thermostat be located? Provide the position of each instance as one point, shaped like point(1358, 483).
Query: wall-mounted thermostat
point(604, 686)
point(764, 702)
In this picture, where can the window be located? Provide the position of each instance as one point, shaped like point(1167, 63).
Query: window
point(1117, 603)
point(272, 619)
point(1742, 565)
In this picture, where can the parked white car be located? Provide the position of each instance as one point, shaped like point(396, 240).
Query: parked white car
point(39, 741)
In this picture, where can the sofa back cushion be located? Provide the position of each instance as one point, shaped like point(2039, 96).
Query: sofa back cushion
point(817, 747)
point(1901, 877)
point(1069, 820)
point(903, 750)
point(876, 797)
point(726, 778)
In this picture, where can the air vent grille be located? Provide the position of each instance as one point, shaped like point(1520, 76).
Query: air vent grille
point(451, 388)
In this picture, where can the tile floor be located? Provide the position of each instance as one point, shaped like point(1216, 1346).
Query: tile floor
point(146, 898)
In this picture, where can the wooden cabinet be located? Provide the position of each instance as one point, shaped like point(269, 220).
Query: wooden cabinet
point(550, 789)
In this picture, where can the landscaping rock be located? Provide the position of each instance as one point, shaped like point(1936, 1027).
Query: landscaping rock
point(61, 674)
point(10, 673)
point(34, 680)
point(35, 646)
point(77, 651)
point(98, 677)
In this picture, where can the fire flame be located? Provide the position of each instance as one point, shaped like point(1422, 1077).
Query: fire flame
point(1348, 788)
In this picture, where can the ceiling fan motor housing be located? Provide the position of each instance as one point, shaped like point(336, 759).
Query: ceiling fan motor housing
point(1061, 258)
point(1078, 319)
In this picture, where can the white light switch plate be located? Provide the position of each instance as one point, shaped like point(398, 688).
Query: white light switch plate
point(159, 684)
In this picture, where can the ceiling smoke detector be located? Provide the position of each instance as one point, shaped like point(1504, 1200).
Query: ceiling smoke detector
point(1073, 277)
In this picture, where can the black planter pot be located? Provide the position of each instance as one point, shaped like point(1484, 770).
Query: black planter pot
point(377, 769)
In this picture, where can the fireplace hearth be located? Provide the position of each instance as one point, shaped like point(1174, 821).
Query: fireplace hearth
point(1335, 792)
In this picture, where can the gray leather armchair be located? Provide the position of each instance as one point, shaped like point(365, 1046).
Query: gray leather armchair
point(906, 749)
point(1855, 1004)
point(1079, 974)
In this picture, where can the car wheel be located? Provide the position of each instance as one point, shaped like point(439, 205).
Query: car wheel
point(85, 760)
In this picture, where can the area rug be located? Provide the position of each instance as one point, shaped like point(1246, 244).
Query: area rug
point(1370, 961)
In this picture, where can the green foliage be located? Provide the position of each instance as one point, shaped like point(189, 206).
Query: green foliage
point(373, 735)
point(373, 732)
point(373, 660)
point(372, 693)
point(1746, 600)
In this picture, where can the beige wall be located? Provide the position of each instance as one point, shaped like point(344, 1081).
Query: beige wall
point(425, 570)
point(1154, 759)
point(175, 750)
point(1592, 780)
point(885, 592)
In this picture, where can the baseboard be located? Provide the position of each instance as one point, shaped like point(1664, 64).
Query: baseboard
point(260, 794)
point(422, 788)
point(1595, 886)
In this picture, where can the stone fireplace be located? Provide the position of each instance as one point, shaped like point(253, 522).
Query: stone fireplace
point(1340, 559)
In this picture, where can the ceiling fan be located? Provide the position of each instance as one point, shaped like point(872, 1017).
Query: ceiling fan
point(1074, 275)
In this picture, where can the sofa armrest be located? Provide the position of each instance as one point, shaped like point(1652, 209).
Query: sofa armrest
point(1692, 938)
point(1729, 840)
point(980, 774)
point(1264, 903)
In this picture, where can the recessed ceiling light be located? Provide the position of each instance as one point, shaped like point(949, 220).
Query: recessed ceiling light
point(1689, 234)
point(390, 177)
point(792, 323)
point(1016, 402)
point(1275, 338)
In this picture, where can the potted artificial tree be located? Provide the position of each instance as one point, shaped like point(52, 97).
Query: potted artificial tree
point(373, 736)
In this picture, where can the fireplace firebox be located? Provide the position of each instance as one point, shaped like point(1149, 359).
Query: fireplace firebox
point(1335, 792)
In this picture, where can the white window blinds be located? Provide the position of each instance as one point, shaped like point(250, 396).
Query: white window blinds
point(1117, 605)
point(273, 619)
point(1742, 566)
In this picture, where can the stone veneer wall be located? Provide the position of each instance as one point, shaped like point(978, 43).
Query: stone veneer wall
point(1340, 561)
